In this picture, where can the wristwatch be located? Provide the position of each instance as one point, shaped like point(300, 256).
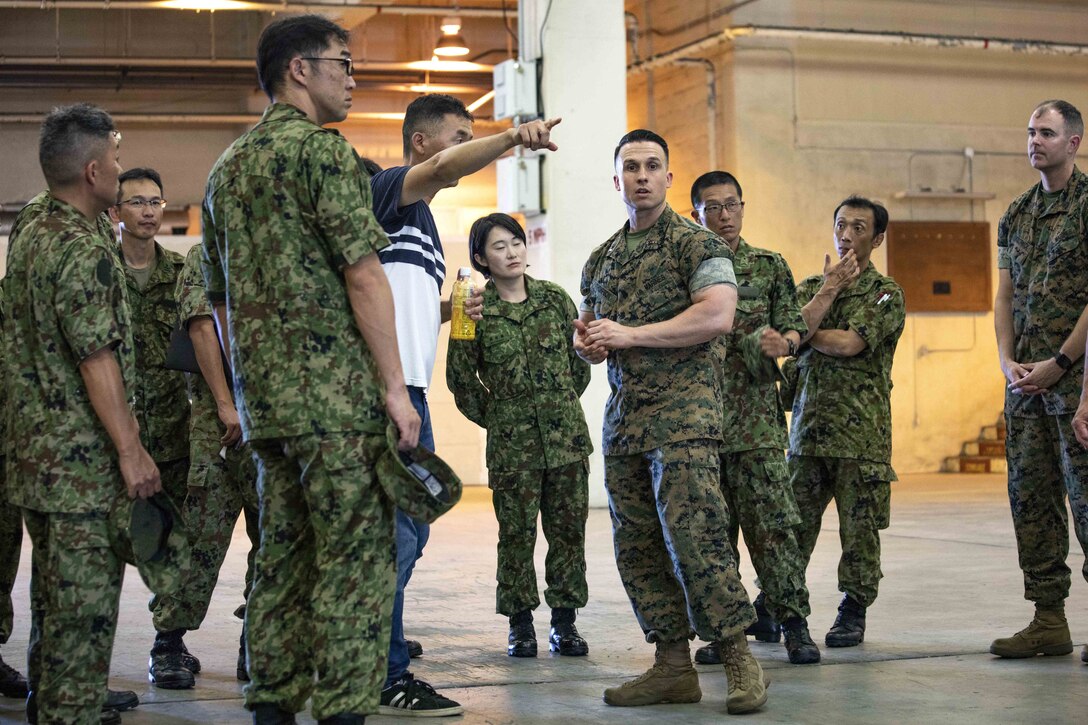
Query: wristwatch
point(792, 347)
point(1063, 362)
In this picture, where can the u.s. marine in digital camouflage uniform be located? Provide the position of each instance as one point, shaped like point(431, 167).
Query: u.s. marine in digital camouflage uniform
point(65, 317)
point(290, 264)
point(840, 434)
point(521, 380)
point(655, 296)
point(1041, 320)
point(767, 324)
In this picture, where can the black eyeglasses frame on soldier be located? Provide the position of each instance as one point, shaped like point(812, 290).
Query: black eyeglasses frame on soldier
point(347, 63)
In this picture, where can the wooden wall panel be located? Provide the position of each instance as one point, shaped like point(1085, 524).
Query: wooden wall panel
point(942, 266)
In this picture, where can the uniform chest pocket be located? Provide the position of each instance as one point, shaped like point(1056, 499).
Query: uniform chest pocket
point(1066, 247)
point(504, 371)
point(550, 365)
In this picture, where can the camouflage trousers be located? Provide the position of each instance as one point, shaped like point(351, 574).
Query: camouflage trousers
point(325, 576)
point(11, 546)
point(561, 496)
point(175, 483)
point(75, 589)
point(1046, 465)
point(669, 525)
point(219, 489)
point(862, 493)
point(757, 491)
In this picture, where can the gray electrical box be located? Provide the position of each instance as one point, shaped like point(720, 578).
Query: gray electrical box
point(515, 89)
point(518, 184)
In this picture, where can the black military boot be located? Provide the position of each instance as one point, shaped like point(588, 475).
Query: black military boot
point(522, 639)
point(166, 668)
point(564, 637)
point(121, 700)
point(799, 645)
point(764, 629)
point(849, 627)
point(415, 649)
point(12, 682)
point(266, 713)
point(109, 716)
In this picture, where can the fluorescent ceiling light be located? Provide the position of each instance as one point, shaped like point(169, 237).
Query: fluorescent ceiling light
point(205, 4)
point(480, 101)
point(452, 66)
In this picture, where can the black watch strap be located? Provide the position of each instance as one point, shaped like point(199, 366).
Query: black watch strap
point(1063, 362)
point(792, 347)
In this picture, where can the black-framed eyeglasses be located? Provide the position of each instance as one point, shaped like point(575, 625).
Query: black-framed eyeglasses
point(138, 202)
point(730, 206)
point(347, 63)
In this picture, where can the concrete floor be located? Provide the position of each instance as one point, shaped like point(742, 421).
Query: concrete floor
point(951, 585)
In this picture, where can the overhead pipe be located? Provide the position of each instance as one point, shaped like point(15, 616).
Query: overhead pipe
point(246, 63)
point(269, 7)
point(889, 37)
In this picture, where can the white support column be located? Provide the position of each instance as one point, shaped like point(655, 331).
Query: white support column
point(584, 82)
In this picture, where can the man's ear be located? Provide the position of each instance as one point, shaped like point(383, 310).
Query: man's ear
point(878, 239)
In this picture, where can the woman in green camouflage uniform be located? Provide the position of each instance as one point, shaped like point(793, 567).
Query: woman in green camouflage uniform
point(520, 379)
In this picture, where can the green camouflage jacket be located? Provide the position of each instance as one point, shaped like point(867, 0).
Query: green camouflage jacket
point(521, 380)
point(286, 208)
point(766, 297)
point(1045, 249)
point(64, 301)
point(658, 396)
point(162, 402)
point(842, 408)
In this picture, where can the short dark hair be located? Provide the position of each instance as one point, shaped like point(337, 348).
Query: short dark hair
point(641, 134)
point(880, 214)
point(1074, 122)
point(136, 175)
point(712, 178)
point(282, 40)
point(426, 112)
point(477, 236)
point(71, 137)
point(370, 166)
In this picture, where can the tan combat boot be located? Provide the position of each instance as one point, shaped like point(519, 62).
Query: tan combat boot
point(1048, 634)
point(747, 683)
point(672, 679)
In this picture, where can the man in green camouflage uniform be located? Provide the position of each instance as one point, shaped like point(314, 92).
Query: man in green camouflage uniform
point(521, 381)
point(222, 474)
point(1041, 320)
point(70, 372)
point(767, 325)
point(840, 435)
point(655, 296)
point(162, 404)
point(291, 267)
point(12, 682)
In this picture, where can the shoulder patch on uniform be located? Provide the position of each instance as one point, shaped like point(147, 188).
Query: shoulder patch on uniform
point(104, 271)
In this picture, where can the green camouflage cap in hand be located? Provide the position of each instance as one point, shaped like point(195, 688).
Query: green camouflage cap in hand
point(418, 482)
point(150, 534)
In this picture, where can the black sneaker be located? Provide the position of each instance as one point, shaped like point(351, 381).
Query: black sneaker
point(799, 645)
point(849, 627)
point(190, 661)
point(415, 649)
point(410, 697)
point(765, 629)
point(12, 682)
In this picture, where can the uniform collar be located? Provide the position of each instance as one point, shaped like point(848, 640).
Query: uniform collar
point(617, 249)
point(1072, 190)
point(494, 306)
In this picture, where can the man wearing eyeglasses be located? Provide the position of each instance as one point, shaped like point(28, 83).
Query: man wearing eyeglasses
point(305, 312)
point(162, 402)
point(767, 325)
